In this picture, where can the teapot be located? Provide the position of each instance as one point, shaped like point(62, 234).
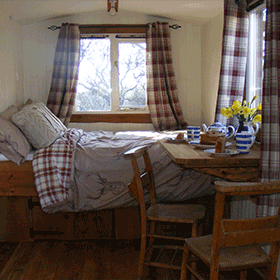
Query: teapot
point(217, 126)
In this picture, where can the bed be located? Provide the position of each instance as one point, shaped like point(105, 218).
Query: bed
point(101, 174)
point(86, 170)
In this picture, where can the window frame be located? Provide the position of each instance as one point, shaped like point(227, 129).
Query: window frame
point(131, 116)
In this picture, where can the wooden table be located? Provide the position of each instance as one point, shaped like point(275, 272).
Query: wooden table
point(236, 168)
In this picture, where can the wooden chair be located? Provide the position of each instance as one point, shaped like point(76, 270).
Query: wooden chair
point(191, 214)
point(236, 244)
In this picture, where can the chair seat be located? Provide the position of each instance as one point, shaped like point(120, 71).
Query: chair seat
point(230, 258)
point(176, 213)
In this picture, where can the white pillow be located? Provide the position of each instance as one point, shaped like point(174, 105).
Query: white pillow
point(9, 112)
point(13, 143)
point(39, 125)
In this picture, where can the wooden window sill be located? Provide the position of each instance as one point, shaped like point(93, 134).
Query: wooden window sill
point(111, 118)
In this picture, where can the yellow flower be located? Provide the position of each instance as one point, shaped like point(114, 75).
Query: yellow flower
point(236, 106)
point(253, 99)
point(257, 118)
point(246, 111)
point(226, 112)
point(243, 111)
point(252, 111)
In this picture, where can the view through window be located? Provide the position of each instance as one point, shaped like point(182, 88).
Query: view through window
point(256, 52)
point(112, 73)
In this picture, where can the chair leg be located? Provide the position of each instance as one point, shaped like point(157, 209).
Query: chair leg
point(243, 274)
point(200, 229)
point(186, 254)
point(274, 255)
point(194, 230)
point(152, 231)
point(141, 256)
point(214, 272)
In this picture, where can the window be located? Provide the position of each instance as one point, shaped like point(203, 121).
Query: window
point(254, 76)
point(112, 73)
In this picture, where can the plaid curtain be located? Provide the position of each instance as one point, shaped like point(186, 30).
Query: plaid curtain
point(62, 94)
point(234, 57)
point(270, 144)
point(163, 99)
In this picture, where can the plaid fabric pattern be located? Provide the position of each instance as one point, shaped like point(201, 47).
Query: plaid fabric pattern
point(63, 89)
point(52, 168)
point(270, 145)
point(234, 57)
point(163, 99)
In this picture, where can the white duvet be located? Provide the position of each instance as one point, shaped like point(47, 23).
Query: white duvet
point(101, 173)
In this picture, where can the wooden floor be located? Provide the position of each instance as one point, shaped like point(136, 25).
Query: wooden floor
point(71, 260)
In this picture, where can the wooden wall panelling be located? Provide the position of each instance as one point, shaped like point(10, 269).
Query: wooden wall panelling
point(94, 224)
point(127, 223)
point(59, 225)
point(18, 219)
point(69, 226)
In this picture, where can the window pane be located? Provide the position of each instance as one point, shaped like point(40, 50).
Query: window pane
point(94, 82)
point(255, 63)
point(132, 75)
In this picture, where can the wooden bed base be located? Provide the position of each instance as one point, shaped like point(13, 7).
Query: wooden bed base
point(17, 180)
point(26, 221)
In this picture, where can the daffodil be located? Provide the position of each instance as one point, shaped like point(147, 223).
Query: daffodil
point(246, 112)
point(253, 99)
point(243, 111)
point(227, 112)
point(236, 106)
point(257, 118)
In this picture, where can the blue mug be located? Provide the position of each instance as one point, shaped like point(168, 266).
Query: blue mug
point(193, 132)
point(244, 142)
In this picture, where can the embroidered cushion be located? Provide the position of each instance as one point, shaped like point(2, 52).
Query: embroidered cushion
point(39, 125)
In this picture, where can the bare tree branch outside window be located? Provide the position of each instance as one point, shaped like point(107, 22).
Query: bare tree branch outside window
point(95, 75)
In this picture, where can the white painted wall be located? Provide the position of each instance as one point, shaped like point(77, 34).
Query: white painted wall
point(11, 71)
point(211, 46)
point(11, 77)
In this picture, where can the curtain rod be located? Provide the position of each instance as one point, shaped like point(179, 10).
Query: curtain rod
point(54, 27)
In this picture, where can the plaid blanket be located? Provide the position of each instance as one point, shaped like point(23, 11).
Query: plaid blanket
point(53, 170)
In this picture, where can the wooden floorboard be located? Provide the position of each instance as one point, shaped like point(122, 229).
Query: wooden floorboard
point(45, 261)
point(6, 250)
point(73, 260)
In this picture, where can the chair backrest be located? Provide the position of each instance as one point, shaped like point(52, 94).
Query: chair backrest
point(143, 175)
point(233, 233)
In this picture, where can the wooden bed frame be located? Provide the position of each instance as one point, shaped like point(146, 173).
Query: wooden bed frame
point(26, 221)
point(17, 180)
